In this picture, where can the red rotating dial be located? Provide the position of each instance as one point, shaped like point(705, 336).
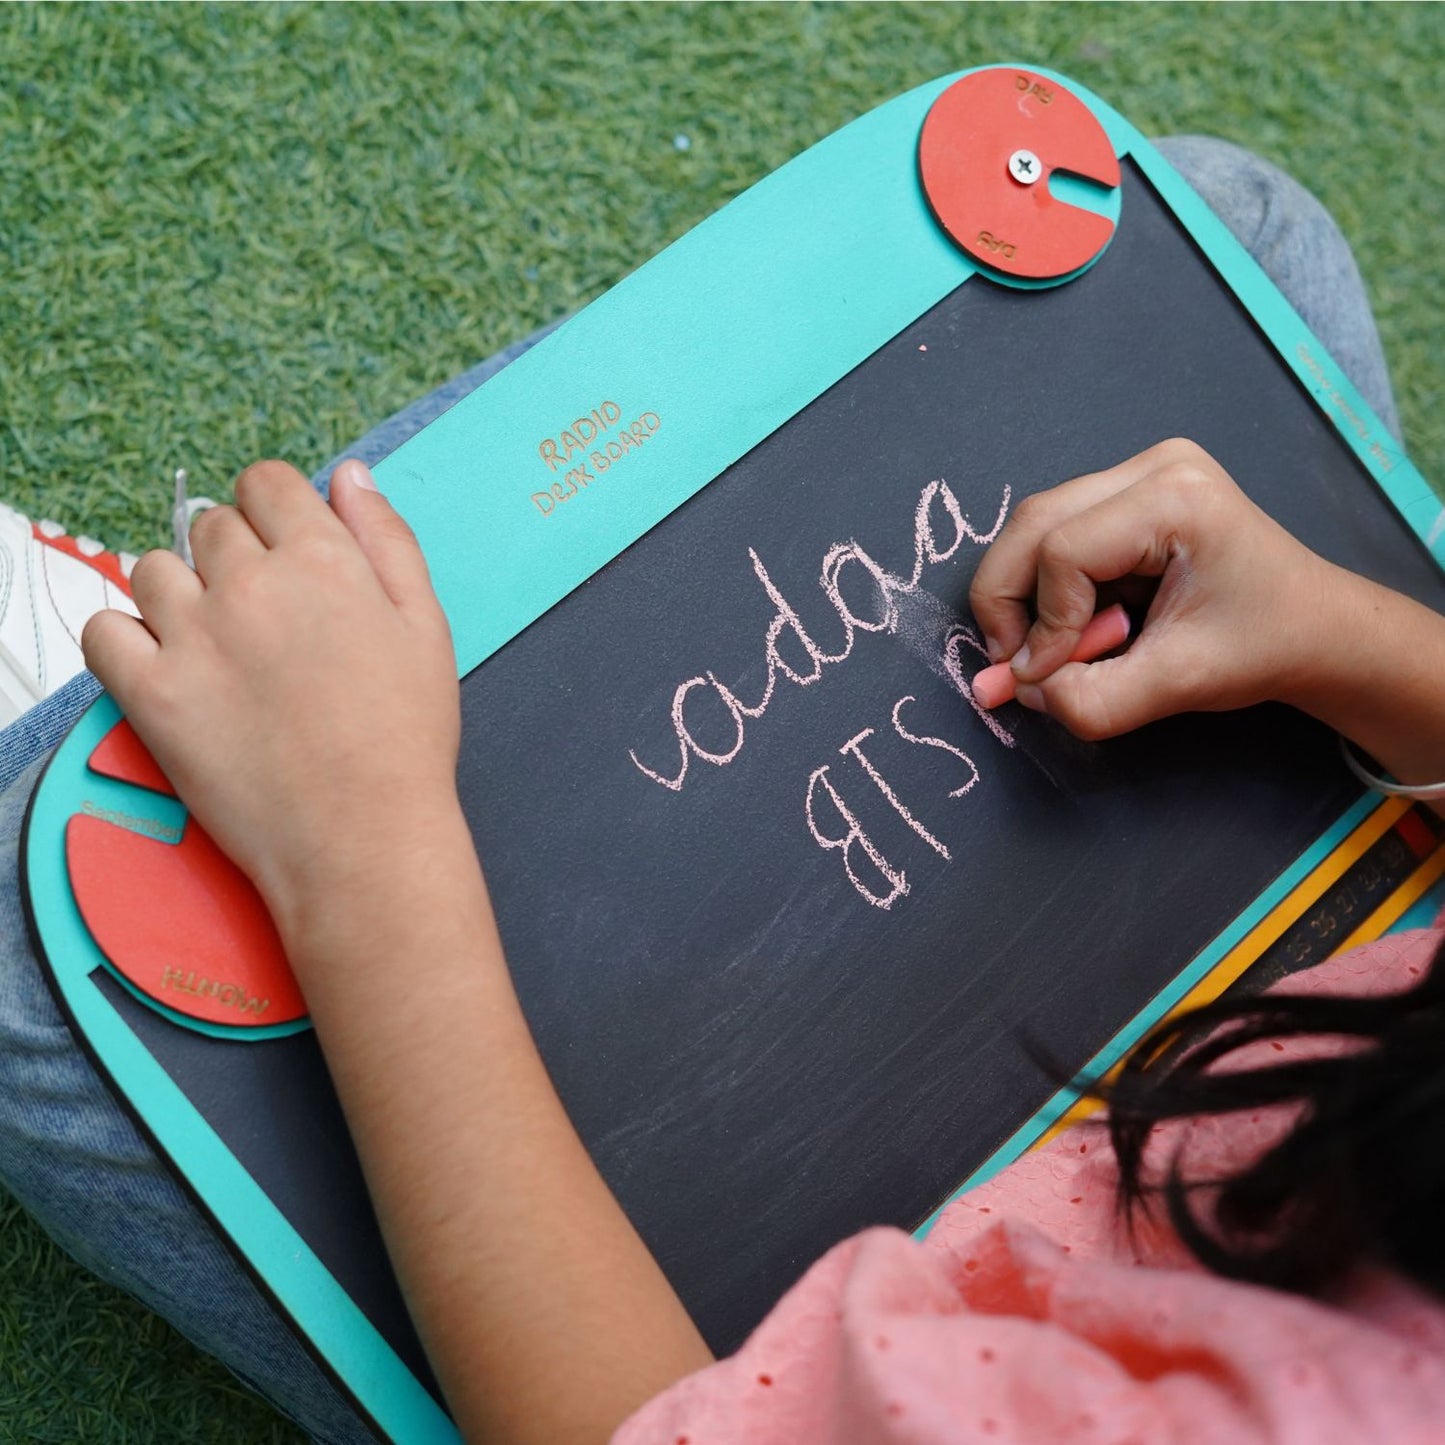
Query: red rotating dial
point(989, 144)
point(176, 918)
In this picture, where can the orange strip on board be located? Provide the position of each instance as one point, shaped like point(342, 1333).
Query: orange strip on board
point(1410, 892)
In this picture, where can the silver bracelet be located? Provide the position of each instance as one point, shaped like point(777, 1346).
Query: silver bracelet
point(1423, 791)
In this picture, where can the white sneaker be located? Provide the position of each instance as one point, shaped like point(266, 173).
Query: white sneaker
point(50, 585)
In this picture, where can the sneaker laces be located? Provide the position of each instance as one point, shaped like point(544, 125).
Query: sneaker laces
point(183, 513)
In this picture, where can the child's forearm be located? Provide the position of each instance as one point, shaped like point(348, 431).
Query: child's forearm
point(541, 1310)
point(1377, 675)
point(299, 688)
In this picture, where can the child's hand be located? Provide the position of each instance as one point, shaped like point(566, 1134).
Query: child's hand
point(300, 691)
point(298, 688)
point(1233, 619)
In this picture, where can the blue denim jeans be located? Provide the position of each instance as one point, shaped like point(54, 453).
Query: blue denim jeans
point(72, 1156)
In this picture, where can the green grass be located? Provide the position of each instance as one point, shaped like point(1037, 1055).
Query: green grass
point(229, 232)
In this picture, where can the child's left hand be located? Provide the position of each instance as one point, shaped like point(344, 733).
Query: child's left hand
point(298, 688)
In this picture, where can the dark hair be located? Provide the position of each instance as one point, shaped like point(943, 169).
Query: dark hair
point(1359, 1177)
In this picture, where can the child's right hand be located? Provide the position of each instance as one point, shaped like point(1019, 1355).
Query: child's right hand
point(1235, 616)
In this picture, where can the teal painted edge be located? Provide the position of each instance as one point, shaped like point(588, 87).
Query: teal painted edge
point(1423, 912)
point(304, 1288)
point(752, 315)
point(1199, 968)
point(1304, 354)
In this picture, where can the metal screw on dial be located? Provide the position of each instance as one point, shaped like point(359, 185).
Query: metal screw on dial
point(1024, 167)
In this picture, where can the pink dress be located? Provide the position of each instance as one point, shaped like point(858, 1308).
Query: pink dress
point(1028, 1316)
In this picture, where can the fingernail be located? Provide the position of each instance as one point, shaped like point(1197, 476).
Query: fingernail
point(993, 648)
point(359, 475)
point(1031, 695)
point(1020, 659)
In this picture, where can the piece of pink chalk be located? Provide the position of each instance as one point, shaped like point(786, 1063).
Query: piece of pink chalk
point(1109, 629)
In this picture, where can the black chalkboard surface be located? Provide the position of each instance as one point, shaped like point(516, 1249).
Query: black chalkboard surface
point(760, 1059)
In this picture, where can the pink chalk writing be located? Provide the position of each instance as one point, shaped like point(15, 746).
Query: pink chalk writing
point(851, 746)
point(958, 637)
point(924, 740)
point(929, 548)
point(854, 836)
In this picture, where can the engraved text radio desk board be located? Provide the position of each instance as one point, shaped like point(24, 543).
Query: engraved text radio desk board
point(781, 902)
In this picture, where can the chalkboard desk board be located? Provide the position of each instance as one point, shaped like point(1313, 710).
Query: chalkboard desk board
point(782, 906)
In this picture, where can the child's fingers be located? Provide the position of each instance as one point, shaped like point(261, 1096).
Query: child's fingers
point(1007, 577)
point(222, 540)
point(276, 499)
point(1000, 593)
point(162, 586)
point(118, 650)
point(383, 536)
point(1128, 533)
point(1103, 699)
